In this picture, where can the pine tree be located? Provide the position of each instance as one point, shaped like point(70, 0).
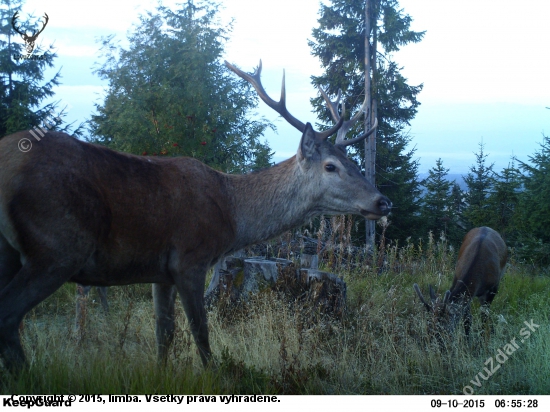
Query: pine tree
point(23, 89)
point(479, 182)
point(170, 94)
point(339, 43)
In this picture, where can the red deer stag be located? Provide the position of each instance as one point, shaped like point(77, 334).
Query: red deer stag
point(74, 211)
point(479, 269)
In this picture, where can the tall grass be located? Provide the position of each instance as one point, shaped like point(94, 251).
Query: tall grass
point(382, 345)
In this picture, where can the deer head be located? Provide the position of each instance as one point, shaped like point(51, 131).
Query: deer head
point(345, 189)
point(446, 313)
point(478, 272)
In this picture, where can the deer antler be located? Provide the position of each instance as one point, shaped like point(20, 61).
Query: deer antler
point(17, 29)
point(421, 296)
point(280, 106)
point(47, 19)
point(333, 108)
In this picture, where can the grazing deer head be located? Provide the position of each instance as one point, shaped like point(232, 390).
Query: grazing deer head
point(78, 212)
point(479, 269)
point(29, 40)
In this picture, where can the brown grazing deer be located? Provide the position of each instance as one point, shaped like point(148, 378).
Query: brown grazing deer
point(71, 211)
point(479, 269)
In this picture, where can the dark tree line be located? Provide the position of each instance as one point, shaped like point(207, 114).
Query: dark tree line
point(514, 201)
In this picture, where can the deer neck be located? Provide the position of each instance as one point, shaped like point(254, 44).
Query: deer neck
point(269, 202)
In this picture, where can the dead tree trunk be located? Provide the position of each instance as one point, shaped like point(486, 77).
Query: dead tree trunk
point(370, 115)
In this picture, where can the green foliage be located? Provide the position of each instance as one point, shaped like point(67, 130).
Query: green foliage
point(22, 85)
point(535, 200)
point(398, 179)
point(480, 182)
point(503, 201)
point(170, 94)
point(339, 43)
point(533, 211)
point(441, 204)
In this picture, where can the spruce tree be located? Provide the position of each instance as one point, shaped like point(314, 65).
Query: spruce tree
point(479, 182)
point(439, 211)
point(503, 201)
point(170, 94)
point(23, 90)
point(339, 43)
point(532, 217)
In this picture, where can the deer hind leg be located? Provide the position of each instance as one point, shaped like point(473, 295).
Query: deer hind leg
point(485, 302)
point(10, 262)
point(33, 283)
point(191, 291)
point(164, 297)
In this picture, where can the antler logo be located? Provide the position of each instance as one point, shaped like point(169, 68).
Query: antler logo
point(29, 40)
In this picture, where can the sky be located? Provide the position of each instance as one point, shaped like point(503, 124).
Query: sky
point(483, 63)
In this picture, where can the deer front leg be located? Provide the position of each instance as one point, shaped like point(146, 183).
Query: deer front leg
point(164, 297)
point(191, 291)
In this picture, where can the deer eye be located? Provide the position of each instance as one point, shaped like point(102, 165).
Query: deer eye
point(330, 167)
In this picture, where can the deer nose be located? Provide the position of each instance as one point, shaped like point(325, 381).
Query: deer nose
point(384, 204)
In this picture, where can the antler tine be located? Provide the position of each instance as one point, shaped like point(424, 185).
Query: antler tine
point(44, 26)
point(446, 297)
point(280, 106)
point(421, 296)
point(346, 126)
point(362, 137)
point(13, 19)
point(332, 106)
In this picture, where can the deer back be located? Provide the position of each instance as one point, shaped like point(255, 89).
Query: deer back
point(480, 264)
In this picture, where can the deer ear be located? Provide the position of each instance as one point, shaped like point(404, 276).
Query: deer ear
point(309, 146)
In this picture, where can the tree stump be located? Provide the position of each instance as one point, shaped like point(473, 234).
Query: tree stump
point(237, 279)
point(243, 277)
point(308, 261)
point(324, 290)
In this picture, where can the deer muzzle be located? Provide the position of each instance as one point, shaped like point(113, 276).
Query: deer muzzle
point(382, 208)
